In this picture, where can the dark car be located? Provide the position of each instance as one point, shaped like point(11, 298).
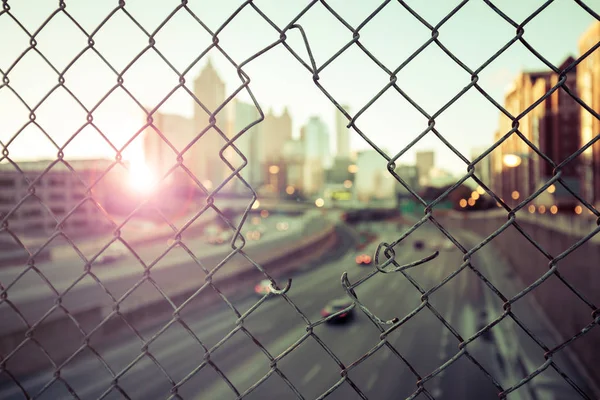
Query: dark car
point(363, 259)
point(419, 244)
point(335, 306)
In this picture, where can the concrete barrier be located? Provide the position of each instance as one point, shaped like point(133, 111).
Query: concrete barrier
point(580, 269)
point(61, 335)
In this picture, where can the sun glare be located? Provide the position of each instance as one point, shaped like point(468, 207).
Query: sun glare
point(141, 178)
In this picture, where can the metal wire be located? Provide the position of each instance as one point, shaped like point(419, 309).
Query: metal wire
point(390, 265)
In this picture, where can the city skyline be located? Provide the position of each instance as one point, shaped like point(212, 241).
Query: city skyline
point(60, 116)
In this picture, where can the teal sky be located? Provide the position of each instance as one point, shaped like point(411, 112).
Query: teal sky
point(473, 35)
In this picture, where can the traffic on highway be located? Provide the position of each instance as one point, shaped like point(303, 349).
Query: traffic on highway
point(318, 337)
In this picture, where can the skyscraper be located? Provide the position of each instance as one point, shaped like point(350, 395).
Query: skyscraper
point(275, 132)
point(425, 162)
point(342, 134)
point(204, 160)
point(243, 115)
point(317, 154)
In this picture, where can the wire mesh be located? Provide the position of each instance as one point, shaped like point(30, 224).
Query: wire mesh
point(385, 256)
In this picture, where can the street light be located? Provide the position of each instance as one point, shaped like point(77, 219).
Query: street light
point(347, 184)
point(352, 168)
point(290, 190)
point(515, 195)
point(274, 169)
point(462, 203)
point(475, 195)
point(319, 202)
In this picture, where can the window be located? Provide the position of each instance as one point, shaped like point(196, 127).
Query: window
point(36, 212)
point(38, 226)
point(57, 210)
point(7, 182)
point(56, 182)
point(6, 200)
point(57, 197)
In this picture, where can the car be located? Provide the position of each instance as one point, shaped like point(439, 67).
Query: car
point(253, 235)
point(107, 259)
point(113, 253)
point(419, 244)
point(335, 306)
point(363, 259)
point(263, 287)
point(220, 238)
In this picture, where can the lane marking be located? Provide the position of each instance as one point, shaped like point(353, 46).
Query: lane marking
point(371, 381)
point(311, 373)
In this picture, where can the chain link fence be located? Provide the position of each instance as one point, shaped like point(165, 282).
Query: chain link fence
point(386, 260)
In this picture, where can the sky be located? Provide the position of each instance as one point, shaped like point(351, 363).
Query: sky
point(278, 80)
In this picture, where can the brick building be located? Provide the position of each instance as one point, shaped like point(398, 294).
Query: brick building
point(588, 85)
point(552, 127)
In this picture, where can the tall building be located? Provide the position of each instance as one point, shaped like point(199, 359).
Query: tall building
point(588, 85)
point(204, 156)
point(178, 131)
point(425, 163)
point(243, 115)
point(410, 175)
point(342, 134)
point(316, 141)
point(373, 181)
point(317, 154)
point(483, 168)
point(552, 126)
point(293, 155)
point(275, 132)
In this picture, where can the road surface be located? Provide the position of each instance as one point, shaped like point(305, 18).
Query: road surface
point(422, 341)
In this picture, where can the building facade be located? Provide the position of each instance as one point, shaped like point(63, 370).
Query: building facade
point(588, 85)
point(315, 137)
point(58, 193)
point(425, 162)
point(483, 168)
point(342, 134)
point(248, 143)
point(275, 132)
point(552, 127)
point(373, 181)
point(204, 156)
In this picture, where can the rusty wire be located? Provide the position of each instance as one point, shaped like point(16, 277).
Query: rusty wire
point(389, 265)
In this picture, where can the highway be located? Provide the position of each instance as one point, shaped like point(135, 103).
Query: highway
point(62, 273)
point(423, 342)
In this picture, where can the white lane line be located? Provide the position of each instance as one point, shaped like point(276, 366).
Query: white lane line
point(311, 373)
point(371, 381)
